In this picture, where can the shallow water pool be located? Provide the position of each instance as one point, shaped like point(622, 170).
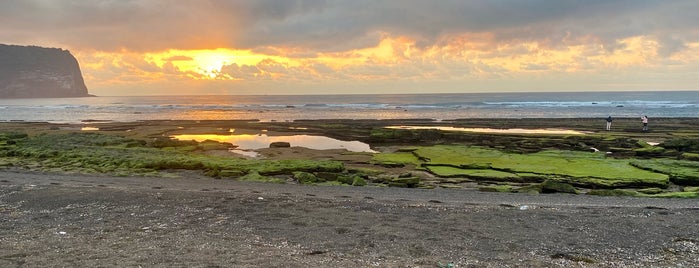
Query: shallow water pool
point(259, 141)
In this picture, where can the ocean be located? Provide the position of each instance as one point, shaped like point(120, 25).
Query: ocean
point(380, 106)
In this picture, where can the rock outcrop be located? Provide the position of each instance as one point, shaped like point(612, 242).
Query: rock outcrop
point(37, 72)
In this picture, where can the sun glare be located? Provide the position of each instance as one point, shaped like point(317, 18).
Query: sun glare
point(208, 64)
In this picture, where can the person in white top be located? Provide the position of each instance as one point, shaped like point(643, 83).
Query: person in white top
point(644, 119)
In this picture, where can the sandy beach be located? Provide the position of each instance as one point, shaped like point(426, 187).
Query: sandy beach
point(56, 220)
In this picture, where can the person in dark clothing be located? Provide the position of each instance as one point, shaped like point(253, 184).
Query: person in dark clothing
point(609, 123)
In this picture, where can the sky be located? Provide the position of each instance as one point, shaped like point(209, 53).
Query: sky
point(183, 47)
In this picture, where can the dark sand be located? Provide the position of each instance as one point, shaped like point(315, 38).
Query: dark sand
point(49, 220)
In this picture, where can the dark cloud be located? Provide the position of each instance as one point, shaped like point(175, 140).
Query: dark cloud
point(323, 26)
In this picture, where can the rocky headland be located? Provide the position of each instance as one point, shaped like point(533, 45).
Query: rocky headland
point(37, 72)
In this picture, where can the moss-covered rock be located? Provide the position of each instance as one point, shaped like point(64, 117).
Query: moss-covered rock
point(496, 188)
point(591, 170)
point(255, 176)
point(409, 182)
point(681, 172)
point(551, 186)
point(649, 151)
point(327, 176)
point(395, 181)
point(306, 178)
point(682, 144)
point(676, 195)
point(477, 174)
point(690, 156)
point(613, 192)
point(230, 173)
point(358, 181)
point(691, 189)
point(650, 190)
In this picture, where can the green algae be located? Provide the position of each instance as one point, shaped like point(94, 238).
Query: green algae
point(690, 156)
point(306, 178)
point(98, 152)
point(691, 189)
point(103, 153)
point(552, 186)
point(613, 192)
point(675, 195)
point(449, 171)
point(578, 168)
point(255, 176)
point(681, 172)
point(626, 192)
point(682, 144)
point(400, 181)
point(496, 188)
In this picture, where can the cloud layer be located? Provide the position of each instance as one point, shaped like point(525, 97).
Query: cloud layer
point(338, 25)
point(472, 41)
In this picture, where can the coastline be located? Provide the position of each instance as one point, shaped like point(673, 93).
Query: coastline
point(196, 220)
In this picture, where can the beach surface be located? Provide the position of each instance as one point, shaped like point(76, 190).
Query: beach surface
point(50, 219)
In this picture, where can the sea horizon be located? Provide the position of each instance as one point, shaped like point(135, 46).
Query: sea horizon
point(440, 106)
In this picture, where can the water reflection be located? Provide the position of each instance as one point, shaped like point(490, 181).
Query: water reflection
point(247, 153)
point(259, 141)
point(495, 130)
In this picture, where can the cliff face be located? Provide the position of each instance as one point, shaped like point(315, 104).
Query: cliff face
point(36, 72)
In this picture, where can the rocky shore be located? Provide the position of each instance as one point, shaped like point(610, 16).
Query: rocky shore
point(192, 213)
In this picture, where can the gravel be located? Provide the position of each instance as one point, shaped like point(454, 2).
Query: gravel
point(53, 220)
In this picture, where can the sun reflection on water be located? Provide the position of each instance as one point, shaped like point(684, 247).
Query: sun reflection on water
point(259, 141)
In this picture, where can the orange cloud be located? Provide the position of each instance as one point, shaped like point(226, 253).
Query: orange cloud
point(464, 58)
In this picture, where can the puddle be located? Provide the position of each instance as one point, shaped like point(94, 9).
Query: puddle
point(495, 130)
point(89, 129)
point(247, 153)
point(247, 142)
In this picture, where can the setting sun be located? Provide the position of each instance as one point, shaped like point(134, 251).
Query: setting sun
point(208, 64)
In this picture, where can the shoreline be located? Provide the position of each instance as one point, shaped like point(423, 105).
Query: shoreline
point(215, 138)
point(51, 219)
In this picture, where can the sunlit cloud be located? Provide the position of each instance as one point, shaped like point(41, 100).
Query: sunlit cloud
point(392, 58)
point(290, 47)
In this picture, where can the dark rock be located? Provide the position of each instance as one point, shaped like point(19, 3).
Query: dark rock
point(36, 72)
point(228, 173)
point(550, 186)
point(328, 176)
point(279, 144)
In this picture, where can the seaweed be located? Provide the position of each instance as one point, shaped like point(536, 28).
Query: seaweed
point(102, 153)
point(585, 169)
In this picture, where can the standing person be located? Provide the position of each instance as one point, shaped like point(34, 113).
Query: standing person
point(644, 119)
point(609, 123)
